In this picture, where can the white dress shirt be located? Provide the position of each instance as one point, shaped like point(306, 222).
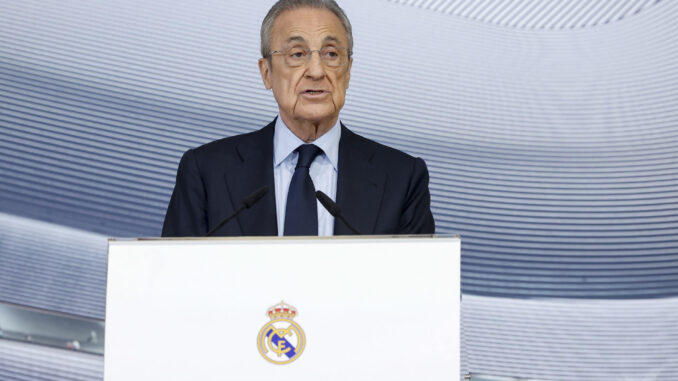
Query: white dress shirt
point(323, 171)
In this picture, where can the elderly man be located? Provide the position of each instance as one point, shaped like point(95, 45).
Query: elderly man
point(306, 61)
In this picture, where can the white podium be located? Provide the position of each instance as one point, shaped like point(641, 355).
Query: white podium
point(352, 308)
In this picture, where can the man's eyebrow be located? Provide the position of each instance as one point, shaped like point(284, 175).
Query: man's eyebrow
point(295, 38)
point(331, 38)
point(301, 39)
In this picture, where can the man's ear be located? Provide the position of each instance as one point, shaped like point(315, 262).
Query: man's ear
point(265, 71)
point(348, 71)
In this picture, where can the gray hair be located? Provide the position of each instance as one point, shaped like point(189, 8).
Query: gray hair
point(285, 5)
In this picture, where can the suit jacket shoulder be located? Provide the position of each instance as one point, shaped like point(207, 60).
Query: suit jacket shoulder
point(228, 151)
point(213, 179)
point(381, 188)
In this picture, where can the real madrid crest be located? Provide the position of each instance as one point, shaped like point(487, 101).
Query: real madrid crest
point(282, 340)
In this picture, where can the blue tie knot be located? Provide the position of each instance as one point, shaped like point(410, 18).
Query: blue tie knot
point(307, 153)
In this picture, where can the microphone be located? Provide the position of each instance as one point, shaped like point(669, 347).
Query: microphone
point(247, 203)
point(334, 209)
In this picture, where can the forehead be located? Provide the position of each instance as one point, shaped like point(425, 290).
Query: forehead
point(308, 24)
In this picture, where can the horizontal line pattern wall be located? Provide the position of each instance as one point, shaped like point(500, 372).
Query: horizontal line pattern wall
point(52, 267)
point(21, 361)
point(537, 14)
point(552, 152)
point(549, 128)
point(570, 339)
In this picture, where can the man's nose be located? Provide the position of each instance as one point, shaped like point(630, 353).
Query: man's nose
point(316, 67)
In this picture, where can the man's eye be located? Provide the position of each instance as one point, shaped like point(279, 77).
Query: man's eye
point(297, 53)
point(330, 53)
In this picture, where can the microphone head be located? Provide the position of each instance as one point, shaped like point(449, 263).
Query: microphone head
point(255, 196)
point(327, 202)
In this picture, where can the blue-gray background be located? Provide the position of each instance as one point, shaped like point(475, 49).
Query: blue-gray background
point(549, 128)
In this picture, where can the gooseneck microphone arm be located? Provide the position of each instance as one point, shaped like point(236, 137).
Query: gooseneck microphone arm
point(334, 209)
point(247, 203)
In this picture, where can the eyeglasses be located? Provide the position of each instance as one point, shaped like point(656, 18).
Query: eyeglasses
point(331, 56)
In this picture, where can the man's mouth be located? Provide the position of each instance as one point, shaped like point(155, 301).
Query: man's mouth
point(314, 92)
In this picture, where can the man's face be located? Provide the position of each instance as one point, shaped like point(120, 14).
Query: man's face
point(312, 92)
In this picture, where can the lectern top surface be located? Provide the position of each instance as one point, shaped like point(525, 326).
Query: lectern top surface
point(273, 238)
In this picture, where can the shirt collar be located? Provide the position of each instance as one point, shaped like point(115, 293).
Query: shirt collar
point(285, 142)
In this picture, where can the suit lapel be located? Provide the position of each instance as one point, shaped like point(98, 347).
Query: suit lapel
point(253, 172)
point(359, 185)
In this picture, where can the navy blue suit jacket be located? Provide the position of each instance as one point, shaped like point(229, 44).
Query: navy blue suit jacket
point(379, 189)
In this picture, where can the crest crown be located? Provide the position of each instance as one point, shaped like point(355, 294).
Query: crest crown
point(282, 310)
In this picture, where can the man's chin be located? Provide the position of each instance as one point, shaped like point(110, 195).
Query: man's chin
point(316, 116)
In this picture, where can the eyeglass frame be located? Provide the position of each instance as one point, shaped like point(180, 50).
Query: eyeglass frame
point(349, 54)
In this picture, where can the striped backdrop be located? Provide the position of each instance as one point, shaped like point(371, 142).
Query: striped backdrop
point(549, 129)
